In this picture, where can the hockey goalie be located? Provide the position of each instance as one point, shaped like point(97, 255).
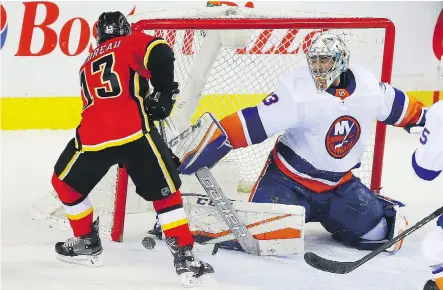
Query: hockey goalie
point(325, 111)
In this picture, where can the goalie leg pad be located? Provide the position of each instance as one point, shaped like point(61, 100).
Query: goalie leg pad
point(353, 210)
point(348, 212)
point(278, 228)
point(394, 221)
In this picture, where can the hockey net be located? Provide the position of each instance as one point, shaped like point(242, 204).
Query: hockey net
point(228, 59)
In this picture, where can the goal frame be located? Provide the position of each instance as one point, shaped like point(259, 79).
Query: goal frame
point(270, 23)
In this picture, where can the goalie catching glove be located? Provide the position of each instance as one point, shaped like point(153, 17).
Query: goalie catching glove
point(201, 145)
point(159, 104)
point(418, 126)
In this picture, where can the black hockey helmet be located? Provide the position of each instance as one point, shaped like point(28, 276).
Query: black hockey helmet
point(112, 24)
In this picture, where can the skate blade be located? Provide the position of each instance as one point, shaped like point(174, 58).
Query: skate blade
point(91, 261)
point(189, 280)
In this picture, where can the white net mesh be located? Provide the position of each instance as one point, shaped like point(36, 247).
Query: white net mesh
point(242, 77)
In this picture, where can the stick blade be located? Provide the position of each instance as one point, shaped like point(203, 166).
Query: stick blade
point(328, 265)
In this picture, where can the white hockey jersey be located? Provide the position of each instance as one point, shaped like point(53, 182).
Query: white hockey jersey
point(326, 133)
point(427, 160)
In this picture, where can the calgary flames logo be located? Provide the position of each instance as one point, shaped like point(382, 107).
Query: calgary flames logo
point(342, 136)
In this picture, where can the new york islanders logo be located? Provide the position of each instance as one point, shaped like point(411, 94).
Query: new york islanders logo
point(342, 136)
point(3, 26)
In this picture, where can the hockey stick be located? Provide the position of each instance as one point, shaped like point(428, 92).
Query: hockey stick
point(149, 242)
point(163, 131)
point(222, 204)
point(337, 267)
point(230, 216)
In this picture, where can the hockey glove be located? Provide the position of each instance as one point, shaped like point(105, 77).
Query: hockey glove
point(417, 127)
point(159, 104)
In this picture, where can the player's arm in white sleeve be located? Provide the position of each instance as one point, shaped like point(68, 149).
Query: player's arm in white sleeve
point(253, 125)
point(427, 160)
point(398, 109)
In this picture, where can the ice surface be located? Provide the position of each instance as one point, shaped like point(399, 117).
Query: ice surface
point(27, 247)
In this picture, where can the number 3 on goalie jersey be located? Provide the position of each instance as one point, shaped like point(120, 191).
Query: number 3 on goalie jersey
point(111, 87)
point(271, 99)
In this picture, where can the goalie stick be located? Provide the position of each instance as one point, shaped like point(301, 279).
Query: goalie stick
point(221, 202)
point(337, 267)
point(230, 216)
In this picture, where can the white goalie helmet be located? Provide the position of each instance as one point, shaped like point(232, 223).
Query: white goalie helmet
point(328, 58)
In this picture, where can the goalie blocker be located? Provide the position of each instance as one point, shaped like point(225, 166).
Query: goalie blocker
point(277, 229)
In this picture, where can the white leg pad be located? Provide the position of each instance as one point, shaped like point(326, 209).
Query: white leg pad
point(279, 228)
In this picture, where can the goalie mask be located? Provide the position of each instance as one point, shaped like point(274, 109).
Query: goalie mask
point(328, 58)
point(110, 25)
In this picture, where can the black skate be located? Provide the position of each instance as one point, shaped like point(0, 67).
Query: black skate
point(82, 250)
point(190, 269)
point(430, 285)
point(156, 232)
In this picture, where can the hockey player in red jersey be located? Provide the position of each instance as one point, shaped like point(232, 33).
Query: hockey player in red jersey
point(117, 128)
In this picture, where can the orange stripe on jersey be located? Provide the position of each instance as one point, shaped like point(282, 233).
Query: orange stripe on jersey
point(412, 114)
point(439, 282)
point(314, 185)
point(234, 128)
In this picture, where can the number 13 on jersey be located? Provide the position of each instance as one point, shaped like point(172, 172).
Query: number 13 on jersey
point(109, 85)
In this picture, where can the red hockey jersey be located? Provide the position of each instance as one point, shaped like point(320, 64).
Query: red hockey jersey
point(114, 83)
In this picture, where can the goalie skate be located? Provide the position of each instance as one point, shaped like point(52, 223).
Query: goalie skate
point(191, 270)
point(82, 250)
point(398, 224)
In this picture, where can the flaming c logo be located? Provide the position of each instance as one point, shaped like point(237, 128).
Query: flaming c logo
point(3, 26)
